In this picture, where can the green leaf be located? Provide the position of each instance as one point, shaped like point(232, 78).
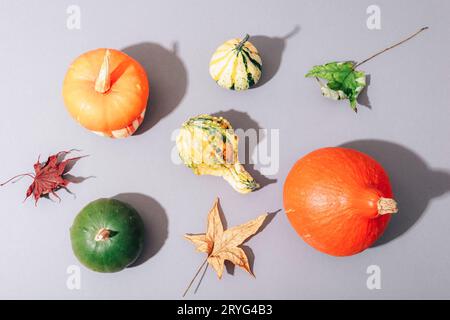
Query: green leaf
point(344, 82)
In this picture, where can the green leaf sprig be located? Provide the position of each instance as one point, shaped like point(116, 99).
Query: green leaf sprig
point(343, 80)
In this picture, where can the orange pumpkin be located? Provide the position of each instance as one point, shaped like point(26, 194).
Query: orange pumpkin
point(106, 91)
point(338, 200)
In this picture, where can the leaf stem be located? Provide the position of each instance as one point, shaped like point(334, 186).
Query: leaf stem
point(18, 176)
point(391, 47)
point(195, 276)
point(201, 278)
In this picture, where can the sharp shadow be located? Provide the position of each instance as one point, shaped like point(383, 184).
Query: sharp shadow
point(267, 221)
point(222, 215)
point(155, 222)
point(363, 98)
point(248, 251)
point(70, 177)
point(167, 78)
point(76, 179)
point(414, 183)
point(230, 267)
point(271, 51)
point(72, 161)
point(250, 256)
point(241, 120)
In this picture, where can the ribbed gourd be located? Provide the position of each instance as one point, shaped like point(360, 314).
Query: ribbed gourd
point(209, 146)
point(236, 64)
point(106, 91)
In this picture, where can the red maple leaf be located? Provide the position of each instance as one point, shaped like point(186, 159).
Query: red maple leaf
point(48, 177)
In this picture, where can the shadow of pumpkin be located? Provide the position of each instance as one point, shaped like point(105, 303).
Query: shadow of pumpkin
point(167, 78)
point(414, 183)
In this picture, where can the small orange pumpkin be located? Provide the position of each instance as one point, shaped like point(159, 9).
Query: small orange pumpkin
point(338, 200)
point(106, 91)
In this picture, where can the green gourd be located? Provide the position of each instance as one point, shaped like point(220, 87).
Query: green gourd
point(107, 235)
point(236, 64)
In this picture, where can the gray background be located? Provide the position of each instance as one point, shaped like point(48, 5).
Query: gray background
point(406, 129)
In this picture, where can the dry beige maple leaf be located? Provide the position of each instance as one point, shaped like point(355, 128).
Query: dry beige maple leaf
point(221, 245)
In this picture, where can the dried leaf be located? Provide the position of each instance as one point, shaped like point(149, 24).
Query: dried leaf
point(200, 242)
point(222, 245)
point(48, 177)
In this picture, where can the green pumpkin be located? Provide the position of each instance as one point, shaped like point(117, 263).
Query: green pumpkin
point(236, 64)
point(107, 235)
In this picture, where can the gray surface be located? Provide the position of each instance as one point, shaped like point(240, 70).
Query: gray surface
point(406, 129)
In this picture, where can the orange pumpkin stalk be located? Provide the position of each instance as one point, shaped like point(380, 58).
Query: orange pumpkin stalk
point(106, 91)
point(338, 200)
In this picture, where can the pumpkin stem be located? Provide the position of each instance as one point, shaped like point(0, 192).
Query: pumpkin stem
point(103, 82)
point(102, 235)
point(387, 206)
point(243, 41)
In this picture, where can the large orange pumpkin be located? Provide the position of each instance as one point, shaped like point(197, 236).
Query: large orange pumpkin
point(106, 91)
point(338, 200)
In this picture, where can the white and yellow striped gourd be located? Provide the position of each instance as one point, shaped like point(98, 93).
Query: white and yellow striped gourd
point(236, 64)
